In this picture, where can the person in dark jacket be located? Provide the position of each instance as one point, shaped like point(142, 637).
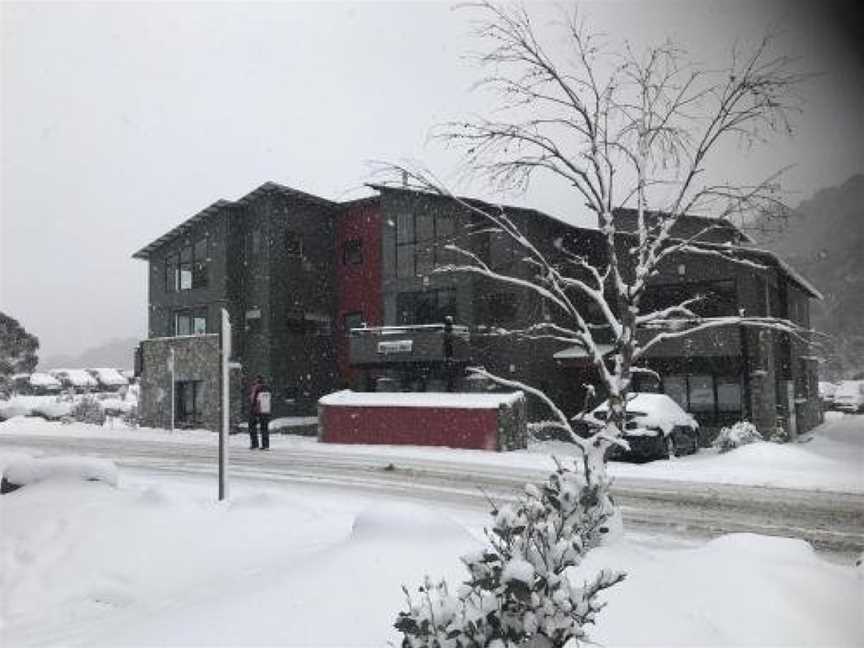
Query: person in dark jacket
point(259, 413)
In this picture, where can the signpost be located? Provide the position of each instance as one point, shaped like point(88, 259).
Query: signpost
point(173, 387)
point(226, 400)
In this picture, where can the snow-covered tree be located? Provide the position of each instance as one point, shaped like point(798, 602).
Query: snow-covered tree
point(625, 131)
point(17, 350)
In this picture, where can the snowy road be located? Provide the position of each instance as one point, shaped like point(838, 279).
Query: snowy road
point(832, 522)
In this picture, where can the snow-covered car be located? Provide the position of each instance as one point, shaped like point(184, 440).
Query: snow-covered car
point(826, 393)
point(849, 396)
point(656, 427)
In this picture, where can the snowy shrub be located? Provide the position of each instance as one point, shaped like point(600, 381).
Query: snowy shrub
point(737, 435)
point(518, 590)
point(780, 434)
point(88, 410)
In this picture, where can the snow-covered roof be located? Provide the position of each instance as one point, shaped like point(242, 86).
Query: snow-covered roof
point(145, 252)
point(43, 380)
point(109, 376)
point(77, 377)
point(348, 398)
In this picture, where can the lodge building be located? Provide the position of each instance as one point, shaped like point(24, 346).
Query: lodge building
point(296, 273)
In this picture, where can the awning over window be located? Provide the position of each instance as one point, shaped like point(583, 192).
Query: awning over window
point(577, 353)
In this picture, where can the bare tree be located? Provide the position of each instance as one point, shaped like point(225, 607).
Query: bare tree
point(623, 130)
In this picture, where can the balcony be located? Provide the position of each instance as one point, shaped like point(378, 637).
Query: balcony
point(416, 344)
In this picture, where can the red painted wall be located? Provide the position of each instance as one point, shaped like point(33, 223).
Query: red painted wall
point(359, 286)
point(435, 426)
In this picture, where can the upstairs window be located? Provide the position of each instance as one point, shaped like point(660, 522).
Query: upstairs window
point(352, 252)
point(352, 321)
point(188, 268)
point(293, 244)
point(421, 241)
point(190, 322)
point(185, 280)
point(200, 264)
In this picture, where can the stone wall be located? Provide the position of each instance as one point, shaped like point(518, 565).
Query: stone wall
point(196, 357)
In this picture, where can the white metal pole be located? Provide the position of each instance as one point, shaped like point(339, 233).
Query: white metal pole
point(226, 400)
point(173, 384)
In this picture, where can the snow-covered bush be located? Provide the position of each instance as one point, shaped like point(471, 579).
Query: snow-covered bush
point(88, 410)
point(518, 589)
point(780, 434)
point(737, 435)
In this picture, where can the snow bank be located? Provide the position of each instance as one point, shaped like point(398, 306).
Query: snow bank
point(348, 398)
point(24, 471)
point(736, 590)
point(50, 407)
point(159, 562)
point(398, 522)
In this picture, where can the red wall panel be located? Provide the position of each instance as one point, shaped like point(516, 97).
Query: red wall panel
point(359, 286)
point(434, 426)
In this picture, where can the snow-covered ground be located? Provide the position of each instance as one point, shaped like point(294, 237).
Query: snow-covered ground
point(830, 458)
point(158, 562)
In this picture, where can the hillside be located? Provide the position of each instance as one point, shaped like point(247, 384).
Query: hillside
point(117, 353)
point(824, 239)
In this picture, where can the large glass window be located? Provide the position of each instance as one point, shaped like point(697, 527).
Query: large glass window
point(426, 307)
point(718, 298)
point(676, 388)
point(704, 394)
point(420, 243)
point(728, 394)
point(701, 393)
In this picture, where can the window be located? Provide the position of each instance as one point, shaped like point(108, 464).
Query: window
point(352, 321)
point(420, 243)
point(676, 388)
point(185, 282)
point(352, 252)
point(701, 393)
point(502, 308)
point(293, 244)
point(719, 298)
point(426, 307)
point(253, 245)
point(705, 394)
point(189, 402)
point(253, 321)
point(200, 264)
point(190, 322)
point(171, 269)
point(728, 394)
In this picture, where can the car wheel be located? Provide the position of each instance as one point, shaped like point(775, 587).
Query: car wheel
point(695, 437)
point(665, 446)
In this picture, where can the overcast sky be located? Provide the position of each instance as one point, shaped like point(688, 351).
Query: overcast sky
point(121, 120)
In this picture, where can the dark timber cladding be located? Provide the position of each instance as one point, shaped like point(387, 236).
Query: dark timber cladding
point(296, 272)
